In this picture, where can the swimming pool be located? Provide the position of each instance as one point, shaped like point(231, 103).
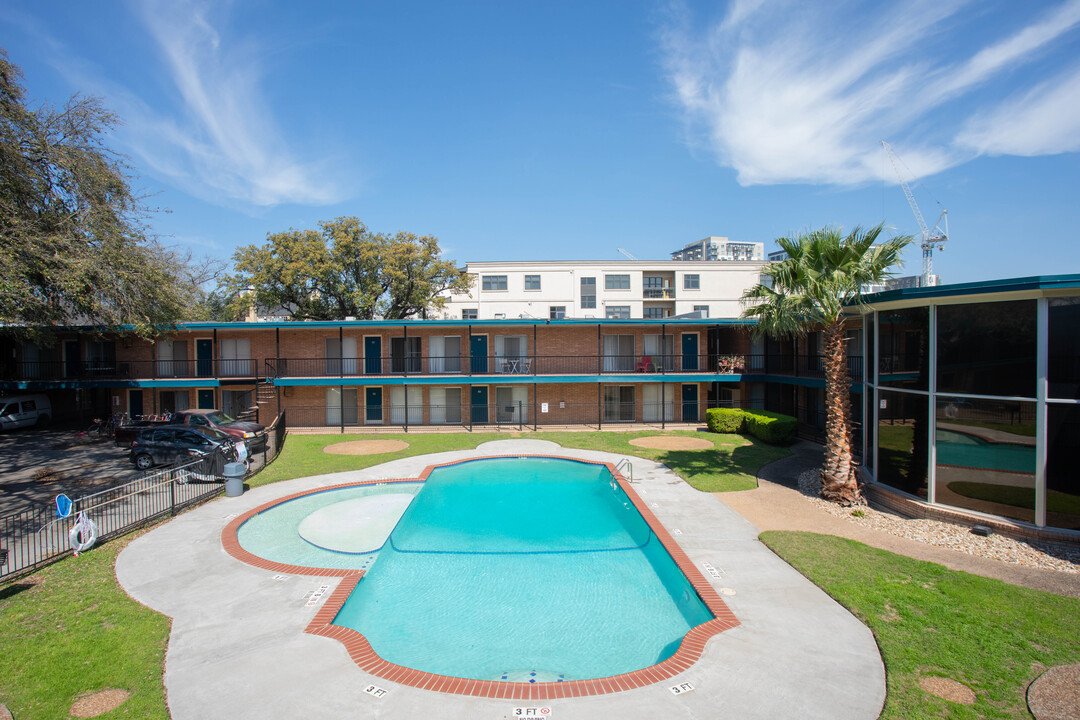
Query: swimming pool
point(515, 570)
point(965, 450)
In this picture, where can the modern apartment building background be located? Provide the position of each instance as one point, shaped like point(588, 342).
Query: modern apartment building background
point(720, 249)
point(603, 290)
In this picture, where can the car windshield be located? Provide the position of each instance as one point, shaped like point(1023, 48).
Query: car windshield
point(220, 418)
point(9, 410)
point(214, 433)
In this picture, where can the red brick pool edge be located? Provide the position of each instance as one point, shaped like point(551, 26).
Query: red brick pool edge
point(365, 657)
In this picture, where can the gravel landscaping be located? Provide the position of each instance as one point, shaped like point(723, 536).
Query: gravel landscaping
point(947, 535)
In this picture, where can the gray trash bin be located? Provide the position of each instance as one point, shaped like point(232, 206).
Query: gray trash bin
point(234, 479)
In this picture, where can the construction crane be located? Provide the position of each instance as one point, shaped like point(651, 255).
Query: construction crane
point(938, 236)
point(627, 254)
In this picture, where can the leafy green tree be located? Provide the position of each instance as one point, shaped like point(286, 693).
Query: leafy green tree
point(813, 289)
point(73, 243)
point(342, 270)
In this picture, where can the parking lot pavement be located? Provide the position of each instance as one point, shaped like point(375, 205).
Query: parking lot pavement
point(39, 464)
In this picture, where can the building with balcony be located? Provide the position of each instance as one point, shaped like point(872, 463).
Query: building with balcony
point(971, 392)
point(616, 290)
point(720, 249)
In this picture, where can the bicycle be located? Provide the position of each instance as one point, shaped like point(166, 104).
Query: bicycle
point(105, 428)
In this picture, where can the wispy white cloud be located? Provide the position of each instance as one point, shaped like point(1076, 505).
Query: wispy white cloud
point(209, 129)
point(785, 91)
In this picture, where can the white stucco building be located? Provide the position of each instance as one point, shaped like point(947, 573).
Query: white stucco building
point(603, 289)
point(720, 249)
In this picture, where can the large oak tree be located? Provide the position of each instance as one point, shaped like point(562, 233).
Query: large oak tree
point(74, 248)
point(342, 270)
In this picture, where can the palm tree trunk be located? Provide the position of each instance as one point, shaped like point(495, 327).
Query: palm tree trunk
point(838, 481)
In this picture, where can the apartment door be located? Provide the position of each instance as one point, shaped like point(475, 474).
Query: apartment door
point(689, 351)
point(204, 357)
point(135, 404)
point(373, 355)
point(205, 399)
point(478, 355)
point(373, 406)
point(478, 399)
point(689, 403)
point(71, 358)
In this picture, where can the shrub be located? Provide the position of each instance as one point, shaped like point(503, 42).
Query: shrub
point(772, 427)
point(725, 420)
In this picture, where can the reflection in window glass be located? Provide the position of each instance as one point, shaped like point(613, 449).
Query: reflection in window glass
point(868, 457)
point(987, 348)
point(903, 441)
point(986, 456)
point(1064, 347)
point(1062, 479)
point(868, 323)
point(903, 359)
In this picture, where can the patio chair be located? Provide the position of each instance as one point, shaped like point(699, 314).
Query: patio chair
point(644, 364)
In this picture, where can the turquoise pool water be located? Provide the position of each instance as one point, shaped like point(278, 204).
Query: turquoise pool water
point(275, 534)
point(963, 450)
point(523, 570)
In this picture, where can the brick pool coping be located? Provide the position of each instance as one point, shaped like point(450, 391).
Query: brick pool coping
point(365, 657)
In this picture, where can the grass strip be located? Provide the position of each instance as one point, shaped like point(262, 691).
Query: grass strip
point(730, 464)
point(69, 629)
point(928, 620)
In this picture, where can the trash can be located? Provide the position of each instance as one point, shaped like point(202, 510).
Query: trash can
point(234, 479)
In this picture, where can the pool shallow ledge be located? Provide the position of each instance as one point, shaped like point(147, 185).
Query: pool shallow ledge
point(364, 656)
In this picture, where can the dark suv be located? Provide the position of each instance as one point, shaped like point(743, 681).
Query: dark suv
point(167, 445)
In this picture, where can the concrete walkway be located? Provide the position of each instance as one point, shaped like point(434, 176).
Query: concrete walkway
point(238, 649)
point(776, 504)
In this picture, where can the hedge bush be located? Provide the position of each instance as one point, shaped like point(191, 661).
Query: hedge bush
point(725, 420)
point(771, 427)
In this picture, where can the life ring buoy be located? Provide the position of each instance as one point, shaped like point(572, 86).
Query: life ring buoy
point(83, 534)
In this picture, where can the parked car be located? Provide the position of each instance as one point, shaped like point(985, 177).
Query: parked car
point(172, 444)
point(252, 433)
point(24, 411)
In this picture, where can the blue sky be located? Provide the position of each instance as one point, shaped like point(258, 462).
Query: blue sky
point(566, 130)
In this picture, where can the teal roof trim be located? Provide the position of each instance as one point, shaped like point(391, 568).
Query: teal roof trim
point(984, 287)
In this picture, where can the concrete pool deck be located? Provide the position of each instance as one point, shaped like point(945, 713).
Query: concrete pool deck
point(238, 647)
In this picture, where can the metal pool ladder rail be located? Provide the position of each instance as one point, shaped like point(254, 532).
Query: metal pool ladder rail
point(626, 465)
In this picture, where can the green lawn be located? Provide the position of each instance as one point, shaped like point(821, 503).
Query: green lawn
point(731, 464)
point(928, 620)
point(70, 629)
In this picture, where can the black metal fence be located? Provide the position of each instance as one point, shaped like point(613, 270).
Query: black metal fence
point(37, 536)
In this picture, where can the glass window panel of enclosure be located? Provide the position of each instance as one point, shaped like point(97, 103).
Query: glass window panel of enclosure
point(904, 353)
point(986, 456)
point(1064, 347)
point(903, 441)
point(987, 348)
point(1062, 478)
point(870, 364)
point(868, 412)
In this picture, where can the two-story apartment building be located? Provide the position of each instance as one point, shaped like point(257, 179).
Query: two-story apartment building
point(615, 290)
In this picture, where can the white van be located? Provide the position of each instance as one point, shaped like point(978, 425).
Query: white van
point(24, 410)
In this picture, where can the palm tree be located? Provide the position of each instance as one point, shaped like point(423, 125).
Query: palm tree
point(810, 290)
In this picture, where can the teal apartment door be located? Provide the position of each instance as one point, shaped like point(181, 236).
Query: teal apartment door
point(135, 406)
point(205, 399)
point(478, 399)
point(373, 405)
point(689, 352)
point(689, 404)
point(373, 357)
point(478, 356)
point(204, 358)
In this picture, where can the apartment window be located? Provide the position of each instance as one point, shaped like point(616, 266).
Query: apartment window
point(691, 282)
point(588, 292)
point(652, 283)
point(653, 313)
point(532, 282)
point(494, 282)
point(557, 312)
point(617, 282)
point(469, 314)
point(703, 309)
point(617, 312)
